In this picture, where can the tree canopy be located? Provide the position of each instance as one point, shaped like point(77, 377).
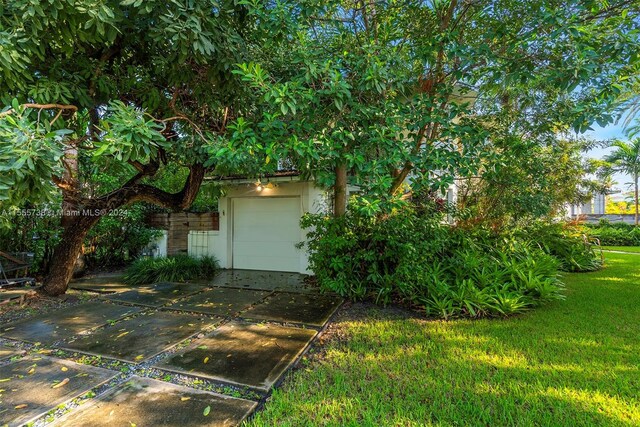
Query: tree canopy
point(118, 87)
point(128, 85)
point(418, 91)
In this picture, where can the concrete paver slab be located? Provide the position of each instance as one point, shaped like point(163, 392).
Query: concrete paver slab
point(223, 302)
point(62, 324)
point(147, 402)
point(299, 308)
point(33, 386)
point(264, 280)
point(241, 353)
point(157, 295)
point(139, 338)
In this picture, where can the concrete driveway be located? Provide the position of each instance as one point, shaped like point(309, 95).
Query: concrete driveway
point(197, 354)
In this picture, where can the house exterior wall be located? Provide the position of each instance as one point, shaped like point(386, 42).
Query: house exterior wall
point(599, 203)
point(312, 200)
point(595, 206)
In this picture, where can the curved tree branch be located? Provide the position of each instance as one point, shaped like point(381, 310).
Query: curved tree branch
point(132, 192)
point(41, 107)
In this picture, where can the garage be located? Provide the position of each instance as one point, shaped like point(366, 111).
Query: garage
point(265, 231)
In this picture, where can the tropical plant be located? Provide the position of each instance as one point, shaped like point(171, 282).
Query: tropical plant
point(614, 233)
point(119, 238)
point(388, 95)
point(523, 179)
point(411, 256)
point(180, 268)
point(620, 207)
point(573, 246)
point(31, 231)
point(625, 158)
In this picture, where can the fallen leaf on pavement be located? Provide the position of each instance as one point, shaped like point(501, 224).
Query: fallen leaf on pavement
point(61, 383)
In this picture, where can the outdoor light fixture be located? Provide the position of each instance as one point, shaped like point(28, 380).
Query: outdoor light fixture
point(259, 186)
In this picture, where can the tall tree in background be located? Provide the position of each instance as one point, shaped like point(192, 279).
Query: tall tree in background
point(521, 180)
point(625, 158)
point(119, 86)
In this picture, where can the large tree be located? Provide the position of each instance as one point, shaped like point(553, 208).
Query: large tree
point(127, 86)
point(391, 94)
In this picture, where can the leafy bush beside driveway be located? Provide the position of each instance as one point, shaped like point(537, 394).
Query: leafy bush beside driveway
point(180, 268)
point(412, 256)
point(614, 233)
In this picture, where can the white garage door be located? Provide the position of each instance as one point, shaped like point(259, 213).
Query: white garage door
point(265, 232)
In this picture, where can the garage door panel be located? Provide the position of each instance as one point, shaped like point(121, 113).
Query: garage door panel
point(275, 249)
point(275, 234)
point(262, 263)
point(266, 231)
point(248, 230)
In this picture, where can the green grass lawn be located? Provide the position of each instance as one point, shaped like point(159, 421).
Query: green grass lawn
point(574, 362)
point(635, 249)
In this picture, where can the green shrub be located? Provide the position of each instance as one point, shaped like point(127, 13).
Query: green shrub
point(571, 245)
point(32, 234)
point(180, 268)
point(411, 256)
point(614, 233)
point(113, 241)
point(118, 240)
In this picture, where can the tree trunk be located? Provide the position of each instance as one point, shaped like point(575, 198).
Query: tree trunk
point(76, 224)
point(66, 254)
point(340, 191)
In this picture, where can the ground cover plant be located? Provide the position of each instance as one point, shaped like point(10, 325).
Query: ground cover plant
point(180, 268)
point(569, 244)
point(614, 233)
point(573, 362)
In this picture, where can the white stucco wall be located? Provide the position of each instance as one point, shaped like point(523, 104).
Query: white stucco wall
point(312, 199)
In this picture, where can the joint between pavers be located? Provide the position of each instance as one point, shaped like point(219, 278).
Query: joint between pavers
point(153, 358)
point(143, 305)
point(205, 383)
point(296, 325)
